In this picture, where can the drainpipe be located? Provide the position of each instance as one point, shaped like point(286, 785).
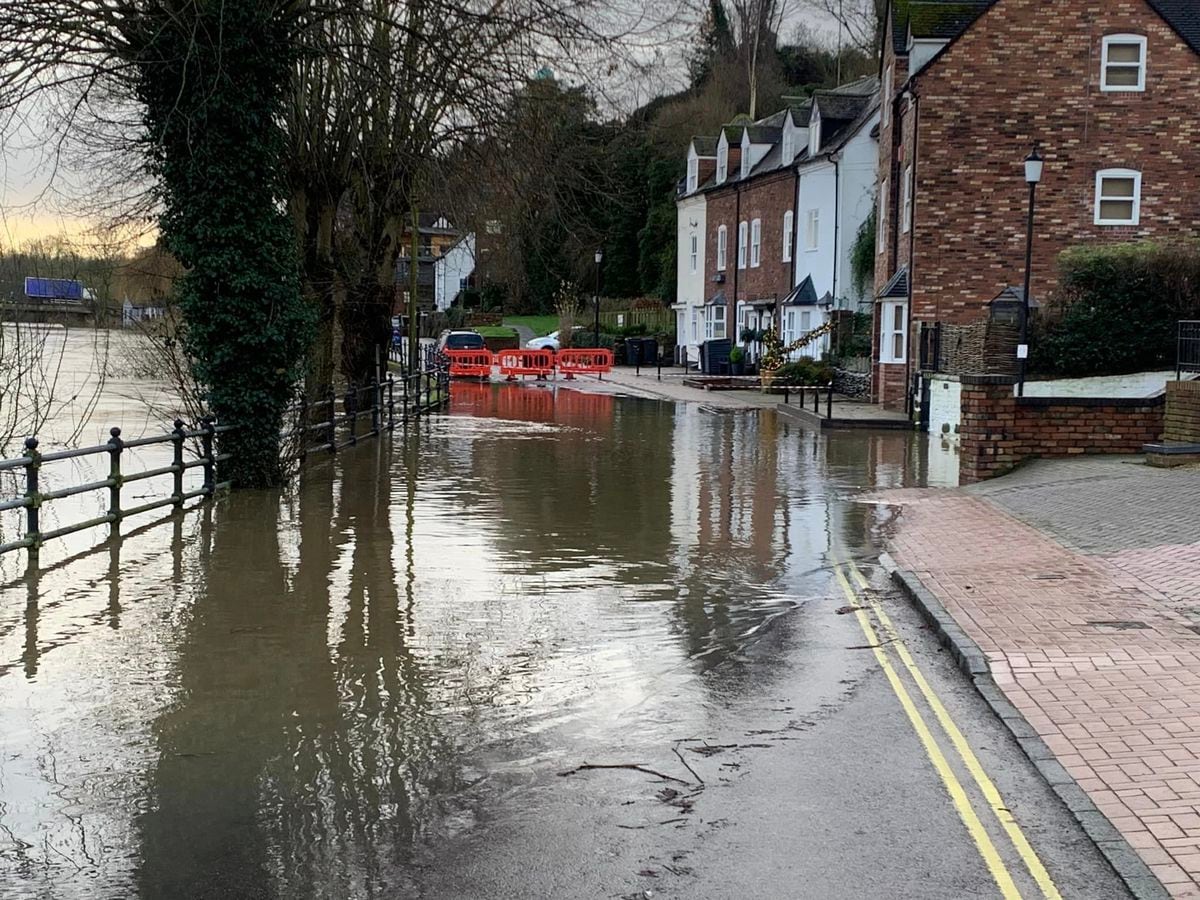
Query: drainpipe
point(912, 228)
point(837, 217)
point(731, 310)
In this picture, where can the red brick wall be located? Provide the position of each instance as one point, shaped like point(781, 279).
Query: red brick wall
point(1183, 411)
point(1000, 430)
point(766, 198)
point(889, 384)
point(1030, 71)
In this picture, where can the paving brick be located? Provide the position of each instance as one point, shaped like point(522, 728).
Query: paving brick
point(1075, 581)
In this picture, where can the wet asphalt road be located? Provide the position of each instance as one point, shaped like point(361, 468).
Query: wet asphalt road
point(819, 788)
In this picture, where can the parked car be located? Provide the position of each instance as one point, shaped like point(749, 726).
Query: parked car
point(550, 341)
point(461, 340)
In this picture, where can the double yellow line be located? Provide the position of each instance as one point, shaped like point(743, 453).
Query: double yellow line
point(958, 795)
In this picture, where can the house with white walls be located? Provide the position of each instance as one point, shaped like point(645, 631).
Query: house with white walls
point(690, 240)
point(452, 271)
point(835, 194)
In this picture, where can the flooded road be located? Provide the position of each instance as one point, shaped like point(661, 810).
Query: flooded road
point(332, 690)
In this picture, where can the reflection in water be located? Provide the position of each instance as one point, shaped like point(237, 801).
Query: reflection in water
point(285, 694)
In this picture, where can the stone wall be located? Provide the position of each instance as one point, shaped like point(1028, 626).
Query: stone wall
point(855, 385)
point(1000, 430)
point(1183, 412)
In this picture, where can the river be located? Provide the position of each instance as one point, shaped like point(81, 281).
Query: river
point(305, 692)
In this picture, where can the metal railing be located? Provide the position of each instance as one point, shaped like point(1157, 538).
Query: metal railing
point(418, 393)
point(816, 391)
point(33, 498)
point(1187, 348)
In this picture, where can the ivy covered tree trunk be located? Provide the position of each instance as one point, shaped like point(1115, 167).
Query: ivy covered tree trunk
point(213, 78)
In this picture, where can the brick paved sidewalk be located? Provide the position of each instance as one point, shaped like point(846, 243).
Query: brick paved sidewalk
point(1097, 650)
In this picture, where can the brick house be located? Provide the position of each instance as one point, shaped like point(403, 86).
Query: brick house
point(1104, 88)
point(763, 265)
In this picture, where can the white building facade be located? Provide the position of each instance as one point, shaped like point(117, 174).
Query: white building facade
point(452, 272)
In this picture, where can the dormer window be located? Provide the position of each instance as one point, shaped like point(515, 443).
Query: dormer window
point(788, 149)
point(1123, 63)
point(722, 162)
point(885, 102)
point(814, 133)
point(745, 157)
point(693, 175)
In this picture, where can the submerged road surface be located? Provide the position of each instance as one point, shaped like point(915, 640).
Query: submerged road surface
point(555, 644)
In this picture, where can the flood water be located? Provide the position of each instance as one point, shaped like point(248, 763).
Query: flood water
point(297, 693)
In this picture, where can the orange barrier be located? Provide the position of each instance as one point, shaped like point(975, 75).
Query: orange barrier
point(525, 362)
point(584, 362)
point(470, 363)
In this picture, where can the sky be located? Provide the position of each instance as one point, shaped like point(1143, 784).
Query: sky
point(34, 194)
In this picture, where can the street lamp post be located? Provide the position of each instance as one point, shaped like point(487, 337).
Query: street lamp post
point(596, 334)
point(1033, 174)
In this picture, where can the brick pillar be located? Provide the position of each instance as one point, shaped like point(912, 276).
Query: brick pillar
point(987, 436)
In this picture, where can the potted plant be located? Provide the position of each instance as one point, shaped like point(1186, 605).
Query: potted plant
point(737, 361)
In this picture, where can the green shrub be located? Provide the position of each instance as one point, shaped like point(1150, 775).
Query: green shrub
point(1117, 309)
point(736, 355)
point(804, 371)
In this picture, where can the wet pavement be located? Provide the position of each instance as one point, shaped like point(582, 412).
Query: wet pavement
point(370, 684)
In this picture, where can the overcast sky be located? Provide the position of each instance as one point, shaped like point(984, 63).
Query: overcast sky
point(35, 195)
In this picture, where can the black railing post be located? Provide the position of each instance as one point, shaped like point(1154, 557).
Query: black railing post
point(210, 457)
point(177, 462)
point(659, 361)
point(817, 399)
point(391, 402)
point(115, 446)
point(404, 395)
point(331, 435)
point(33, 528)
point(829, 402)
point(350, 407)
point(376, 403)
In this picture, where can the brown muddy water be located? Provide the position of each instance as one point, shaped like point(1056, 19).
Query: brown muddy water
point(296, 693)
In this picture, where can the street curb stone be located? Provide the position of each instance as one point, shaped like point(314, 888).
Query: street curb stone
point(1108, 840)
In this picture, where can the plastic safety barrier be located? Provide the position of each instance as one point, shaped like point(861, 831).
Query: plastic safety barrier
point(470, 363)
point(514, 363)
point(584, 362)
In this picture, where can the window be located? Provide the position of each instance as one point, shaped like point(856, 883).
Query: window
point(755, 243)
point(743, 230)
point(788, 149)
point(695, 325)
point(1118, 197)
point(881, 222)
point(805, 323)
point(695, 250)
point(788, 227)
point(893, 336)
point(722, 162)
point(906, 210)
point(714, 323)
point(745, 159)
point(814, 132)
point(885, 102)
point(812, 229)
point(693, 176)
point(1123, 63)
point(722, 242)
point(789, 326)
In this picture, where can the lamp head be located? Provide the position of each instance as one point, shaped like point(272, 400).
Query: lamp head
point(1033, 167)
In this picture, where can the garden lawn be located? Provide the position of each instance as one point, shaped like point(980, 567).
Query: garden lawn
point(539, 325)
point(496, 331)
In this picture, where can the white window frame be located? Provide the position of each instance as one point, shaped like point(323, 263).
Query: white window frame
point(693, 174)
point(907, 188)
point(788, 150)
point(1137, 196)
point(722, 163)
point(722, 247)
point(812, 230)
point(1109, 39)
point(888, 332)
point(789, 225)
point(789, 326)
point(814, 132)
point(695, 325)
point(755, 243)
point(695, 251)
point(714, 325)
point(743, 239)
point(747, 154)
point(881, 224)
point(885, 101)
